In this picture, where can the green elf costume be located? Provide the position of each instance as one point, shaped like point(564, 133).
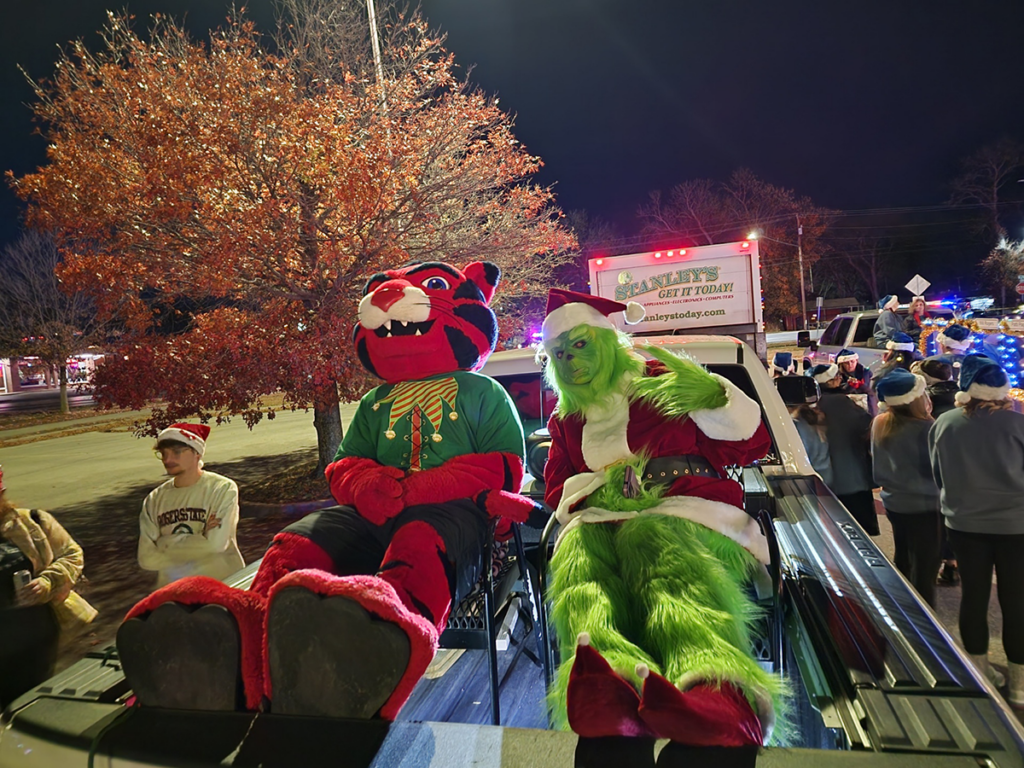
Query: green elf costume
point(655, 547)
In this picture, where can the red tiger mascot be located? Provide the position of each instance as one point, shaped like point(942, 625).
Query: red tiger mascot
point(343, 616)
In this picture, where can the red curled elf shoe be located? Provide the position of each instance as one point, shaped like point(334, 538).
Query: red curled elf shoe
point(599, 701)
point(701, 716)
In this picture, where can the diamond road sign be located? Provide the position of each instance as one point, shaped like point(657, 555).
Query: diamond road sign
point(917, 285)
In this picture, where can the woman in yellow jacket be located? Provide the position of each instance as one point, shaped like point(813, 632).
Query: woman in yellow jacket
point(33, 615)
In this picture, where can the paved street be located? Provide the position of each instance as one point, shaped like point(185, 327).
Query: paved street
point(42, 399)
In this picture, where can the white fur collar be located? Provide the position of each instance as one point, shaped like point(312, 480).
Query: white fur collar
point(604, 429)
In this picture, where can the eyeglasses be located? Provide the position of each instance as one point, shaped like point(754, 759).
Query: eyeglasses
point(161, 452)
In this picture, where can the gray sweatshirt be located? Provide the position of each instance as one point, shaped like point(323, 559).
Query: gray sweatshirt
point(978, 463)
point(903, 468)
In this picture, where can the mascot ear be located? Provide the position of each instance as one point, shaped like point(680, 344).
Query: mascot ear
point(486, 276)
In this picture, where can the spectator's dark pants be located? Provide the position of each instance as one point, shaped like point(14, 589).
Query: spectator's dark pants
point(976, 555)
point(916, 535)
point(28, 649)
point(862, 506)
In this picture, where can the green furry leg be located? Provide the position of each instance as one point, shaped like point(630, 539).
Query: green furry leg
point(689, 583)
point(590, 596)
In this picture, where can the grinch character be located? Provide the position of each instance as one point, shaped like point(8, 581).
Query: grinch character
point(345, 611)
point(655, 549)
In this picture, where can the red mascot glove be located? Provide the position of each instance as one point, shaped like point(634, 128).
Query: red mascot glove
point(464, 477)
point(855, 384)
point(372, 488)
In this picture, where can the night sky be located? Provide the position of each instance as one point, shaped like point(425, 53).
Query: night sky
point(857, 105)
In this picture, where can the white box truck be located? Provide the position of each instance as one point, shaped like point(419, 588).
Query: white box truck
point(686, 291)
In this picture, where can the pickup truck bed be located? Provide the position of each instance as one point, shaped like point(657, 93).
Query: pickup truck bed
point(875, 677)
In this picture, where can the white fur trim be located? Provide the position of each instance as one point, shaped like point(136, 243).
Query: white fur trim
point(604, 432)
point(827, 376)
point(916, 391)
point(738, 419)
point(635, 312)
point(642, 671)
point(985, 392)
point(943, 340)
point(780, 369)
point(575, 489)
point(413, 307)
point(718, 516)
point(961, 398)
point(907, 346)
point(847, 358)
point(723, 518)
point(893, 302)
point(568, 316)
point(194, 442)
point(583, 638)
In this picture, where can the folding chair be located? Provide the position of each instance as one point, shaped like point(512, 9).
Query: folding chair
point(473, 623)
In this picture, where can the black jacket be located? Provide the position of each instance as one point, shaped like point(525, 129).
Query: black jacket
point(942, 394)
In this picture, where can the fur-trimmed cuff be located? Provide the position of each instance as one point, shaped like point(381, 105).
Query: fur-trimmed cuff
point(738, 419)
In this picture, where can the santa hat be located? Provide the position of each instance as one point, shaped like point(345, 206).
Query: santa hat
point(783, 362)
point(567, 309)
point(900, 342)
point(889, 302)
point(981, 378)
point(956, 337)
point(824, 373)
point(900, 387)
point(846, 355)
point(192, 435)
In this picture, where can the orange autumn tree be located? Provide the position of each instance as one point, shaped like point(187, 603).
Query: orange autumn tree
point(226, 203)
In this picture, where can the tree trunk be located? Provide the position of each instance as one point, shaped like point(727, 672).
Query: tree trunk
point(327, 420)
point(62, 372)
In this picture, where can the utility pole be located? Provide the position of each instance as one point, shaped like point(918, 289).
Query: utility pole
point(375, 44)
point(800, 259)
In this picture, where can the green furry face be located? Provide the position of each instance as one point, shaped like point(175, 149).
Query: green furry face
point(585, 364)
point(578, 355)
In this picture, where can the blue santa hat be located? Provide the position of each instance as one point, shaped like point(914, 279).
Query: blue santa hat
point(889, 302)
point(846, 355)
point(823, 374)
point(956, 337)
point(900, 342)
point(981, 378)
point(900, 387)
point(783, 362)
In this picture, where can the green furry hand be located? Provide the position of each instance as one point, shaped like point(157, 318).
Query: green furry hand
point(686, 386)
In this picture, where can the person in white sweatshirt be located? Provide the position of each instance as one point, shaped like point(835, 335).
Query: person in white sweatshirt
point(188, 523)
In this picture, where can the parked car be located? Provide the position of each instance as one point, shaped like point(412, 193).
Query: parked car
point(855, 331)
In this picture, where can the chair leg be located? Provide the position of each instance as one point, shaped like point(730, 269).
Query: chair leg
point(536, 607)
point(492, 651)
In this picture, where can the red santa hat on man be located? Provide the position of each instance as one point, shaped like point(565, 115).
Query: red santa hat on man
point(567, 309)
point(192, 435)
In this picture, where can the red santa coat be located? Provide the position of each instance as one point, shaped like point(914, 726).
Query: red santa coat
point(581, 448)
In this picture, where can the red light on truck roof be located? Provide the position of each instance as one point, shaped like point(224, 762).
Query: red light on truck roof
point(657, 255)
point(599, 262)
point(745, 244)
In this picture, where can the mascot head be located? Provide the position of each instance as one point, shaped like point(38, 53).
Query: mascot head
point(427, 319)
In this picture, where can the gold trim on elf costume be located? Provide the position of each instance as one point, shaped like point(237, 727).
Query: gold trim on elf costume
point(417, 399)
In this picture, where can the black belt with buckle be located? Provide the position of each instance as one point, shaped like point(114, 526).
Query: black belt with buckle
point(668, 469)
